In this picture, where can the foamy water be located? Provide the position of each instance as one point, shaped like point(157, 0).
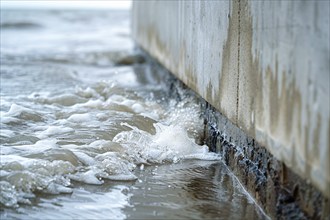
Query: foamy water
point(85, 122)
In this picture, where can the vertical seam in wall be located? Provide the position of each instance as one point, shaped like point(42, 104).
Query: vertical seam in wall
point(238, 59)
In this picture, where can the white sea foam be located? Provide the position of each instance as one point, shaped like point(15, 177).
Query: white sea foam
point(9, 120)
point(90, 134)
point(78, 118)
point(134, 105)
point(64, 99)
point(169, 144)
point(6, 133)
point(87, 92)
point(88, 177)
point(39, 146)
point(99, 104)
point(16, 110)
point(52, 166)
point(18, 113)
point(54, 130)
point(22, 176)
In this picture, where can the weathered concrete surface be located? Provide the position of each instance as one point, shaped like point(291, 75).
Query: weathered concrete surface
point(279, 192)
point(263, 64)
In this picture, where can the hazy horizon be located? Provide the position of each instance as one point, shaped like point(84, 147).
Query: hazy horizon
point(65, 4)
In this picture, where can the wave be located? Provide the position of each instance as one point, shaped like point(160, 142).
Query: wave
point(19, 25)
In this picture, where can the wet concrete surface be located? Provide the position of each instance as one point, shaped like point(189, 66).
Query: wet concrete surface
point(278, 190)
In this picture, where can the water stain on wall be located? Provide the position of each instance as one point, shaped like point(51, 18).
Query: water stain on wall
point(267, 103)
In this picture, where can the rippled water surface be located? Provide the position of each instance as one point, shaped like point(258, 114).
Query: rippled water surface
point(89, 128)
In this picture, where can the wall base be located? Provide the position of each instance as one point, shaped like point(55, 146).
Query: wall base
point(278, 190)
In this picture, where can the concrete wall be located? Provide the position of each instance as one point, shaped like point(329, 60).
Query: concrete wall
point(262, 64)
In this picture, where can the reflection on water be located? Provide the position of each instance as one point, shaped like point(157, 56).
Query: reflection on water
point(192, 189)
point(89, 130)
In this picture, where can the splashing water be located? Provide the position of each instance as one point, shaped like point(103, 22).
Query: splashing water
point(84, 119)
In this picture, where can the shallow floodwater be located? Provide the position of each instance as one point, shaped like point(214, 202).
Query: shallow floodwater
point(89, 130)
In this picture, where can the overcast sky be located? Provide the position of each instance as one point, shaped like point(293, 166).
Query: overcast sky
point(69, 4)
